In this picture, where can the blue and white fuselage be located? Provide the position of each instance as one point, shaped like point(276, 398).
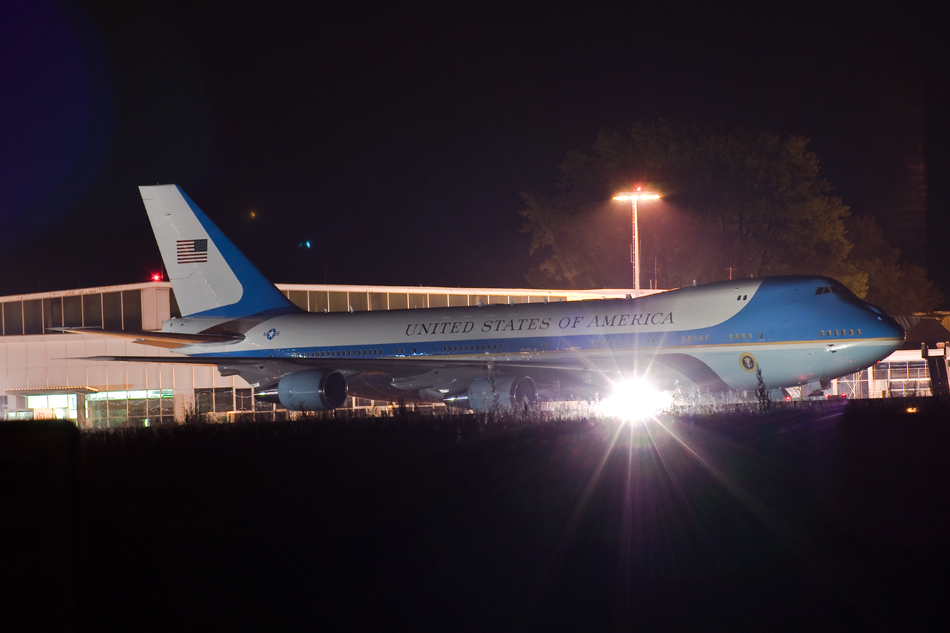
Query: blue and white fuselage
point(716, 337)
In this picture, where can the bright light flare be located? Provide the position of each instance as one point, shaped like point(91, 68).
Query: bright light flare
point(636, 196)
point(156, 276)
point(634, 400)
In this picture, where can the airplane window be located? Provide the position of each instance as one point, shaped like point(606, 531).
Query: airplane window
point(850, 332)
point(836, 332)
point(743, 337)
point(761, 335)
point(730, 337)
point(413, 350)
point(684, 339)
point(859, 331)
point(739, 298)
point(821, 333)
point(744, 297)
point(750, 335)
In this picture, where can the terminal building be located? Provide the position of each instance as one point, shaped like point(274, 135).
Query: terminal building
point(44, 373)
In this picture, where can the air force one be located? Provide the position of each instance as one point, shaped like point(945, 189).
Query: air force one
point(712, 338)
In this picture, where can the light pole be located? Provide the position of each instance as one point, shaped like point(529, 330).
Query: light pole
point(635, 196)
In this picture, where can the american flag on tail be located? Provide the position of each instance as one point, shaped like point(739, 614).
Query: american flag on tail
point(192, 251)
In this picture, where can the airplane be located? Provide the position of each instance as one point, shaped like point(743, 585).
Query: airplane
point(723, 337)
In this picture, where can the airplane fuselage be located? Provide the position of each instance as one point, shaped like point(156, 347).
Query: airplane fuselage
point(795, 330)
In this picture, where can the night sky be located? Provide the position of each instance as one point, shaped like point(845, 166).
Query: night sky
point(396, 137)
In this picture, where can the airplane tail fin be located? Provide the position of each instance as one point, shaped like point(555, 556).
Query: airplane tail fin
point(209, 274)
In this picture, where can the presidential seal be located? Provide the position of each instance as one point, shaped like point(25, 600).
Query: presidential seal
point(748, 362)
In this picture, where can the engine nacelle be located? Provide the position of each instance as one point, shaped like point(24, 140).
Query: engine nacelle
point(513, 393)
point(310, 390)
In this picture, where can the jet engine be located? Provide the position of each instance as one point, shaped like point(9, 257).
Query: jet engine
point(512, 393)
point(310, 390)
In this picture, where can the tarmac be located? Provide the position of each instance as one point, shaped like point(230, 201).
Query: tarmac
point(825, 517)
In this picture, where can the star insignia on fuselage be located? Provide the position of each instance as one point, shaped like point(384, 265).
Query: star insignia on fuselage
point(271, 333)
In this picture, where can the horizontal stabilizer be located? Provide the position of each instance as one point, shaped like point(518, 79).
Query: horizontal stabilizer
point(157, 339)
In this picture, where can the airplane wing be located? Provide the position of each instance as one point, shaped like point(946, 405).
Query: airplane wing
point(265, 371)
point(351, 365)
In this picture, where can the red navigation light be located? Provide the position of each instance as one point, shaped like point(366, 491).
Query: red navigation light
point(156, 276)
point(638, 188)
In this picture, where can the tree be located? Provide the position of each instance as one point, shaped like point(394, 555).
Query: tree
point(896, 287)
point(752, 202)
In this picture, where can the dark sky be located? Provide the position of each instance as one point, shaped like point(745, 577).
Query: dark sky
point(396, 137)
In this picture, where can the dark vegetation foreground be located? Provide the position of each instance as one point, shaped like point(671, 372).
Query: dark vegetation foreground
point(827, 518)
